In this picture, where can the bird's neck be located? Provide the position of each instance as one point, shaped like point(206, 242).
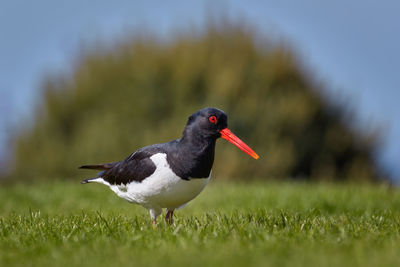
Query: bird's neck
point(198, 144)
point(200, 152)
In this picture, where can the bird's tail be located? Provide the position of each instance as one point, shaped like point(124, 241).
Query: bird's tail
point(101, 167)
point(87, 180)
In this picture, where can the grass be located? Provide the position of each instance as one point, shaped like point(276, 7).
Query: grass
point(256, 224)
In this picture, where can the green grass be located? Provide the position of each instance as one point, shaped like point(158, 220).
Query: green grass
point(257, 224)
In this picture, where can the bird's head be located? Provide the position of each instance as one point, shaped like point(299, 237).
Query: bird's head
point(212, 123)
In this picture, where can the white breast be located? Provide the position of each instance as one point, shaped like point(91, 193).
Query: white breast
point(163, 189)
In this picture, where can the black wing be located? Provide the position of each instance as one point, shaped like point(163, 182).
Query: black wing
point(136, 167)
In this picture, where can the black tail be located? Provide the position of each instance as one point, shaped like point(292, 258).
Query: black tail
point(101, 167)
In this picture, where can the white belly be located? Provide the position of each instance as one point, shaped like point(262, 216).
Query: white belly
point(163, 189)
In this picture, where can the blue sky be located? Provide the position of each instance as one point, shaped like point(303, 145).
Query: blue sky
point(352, 46)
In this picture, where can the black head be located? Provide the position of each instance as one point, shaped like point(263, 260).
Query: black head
point(207, 122)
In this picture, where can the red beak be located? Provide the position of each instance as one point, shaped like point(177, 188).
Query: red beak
point(228, 135)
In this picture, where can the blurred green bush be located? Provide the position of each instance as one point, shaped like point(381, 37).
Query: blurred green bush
point(141, 91)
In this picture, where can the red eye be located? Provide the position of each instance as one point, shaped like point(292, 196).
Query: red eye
point(213, 119)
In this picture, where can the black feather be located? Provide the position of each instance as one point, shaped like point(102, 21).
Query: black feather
point(102, 167)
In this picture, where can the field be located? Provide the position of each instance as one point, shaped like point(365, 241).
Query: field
point(229, 224)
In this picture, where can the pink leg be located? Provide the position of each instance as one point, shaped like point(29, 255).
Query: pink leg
point(169, 216)
point(154, 214)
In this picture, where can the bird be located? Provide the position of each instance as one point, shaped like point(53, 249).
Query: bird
point(169, 175)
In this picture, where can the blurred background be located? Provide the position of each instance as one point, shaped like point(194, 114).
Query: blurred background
point(312, 86)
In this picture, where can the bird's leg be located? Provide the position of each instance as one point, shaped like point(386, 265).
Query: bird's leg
point(154, 213)
point(169, 216)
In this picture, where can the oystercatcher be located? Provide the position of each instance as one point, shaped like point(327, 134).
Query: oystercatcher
point(169, 175)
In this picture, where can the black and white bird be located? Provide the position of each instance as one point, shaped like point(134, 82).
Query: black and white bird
point(169, 175)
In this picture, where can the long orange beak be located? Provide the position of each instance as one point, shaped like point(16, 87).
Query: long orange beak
point(228, 135)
